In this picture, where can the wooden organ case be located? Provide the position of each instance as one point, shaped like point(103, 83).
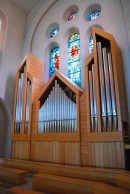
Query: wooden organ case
point(107, 118)
point(56, 129)
point(28, 85)
point(66, 125)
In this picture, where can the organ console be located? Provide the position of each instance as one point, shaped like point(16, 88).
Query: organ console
point(58, 122)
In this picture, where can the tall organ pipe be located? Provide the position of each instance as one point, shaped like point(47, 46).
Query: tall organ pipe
point(94, 102)
point(114, 112)
point(27, 106)
point(102, 85)
point(19, 103)
point(108, 93)
point(91, 100)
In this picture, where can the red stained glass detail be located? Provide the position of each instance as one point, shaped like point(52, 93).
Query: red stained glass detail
point(74, 51)
point(57, 61)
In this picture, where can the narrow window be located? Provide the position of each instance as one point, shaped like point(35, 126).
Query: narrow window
point(54, 60)
point(54, 32)
point(90, 44)
point(74, 63)
point(93, 15)
point(72, 16)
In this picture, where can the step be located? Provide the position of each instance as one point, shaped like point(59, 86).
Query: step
point(20, 190)
point(11, 175)
point(120, 178)
point(63, 185)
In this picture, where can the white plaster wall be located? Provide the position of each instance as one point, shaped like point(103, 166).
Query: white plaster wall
point(16, 20)
point(9, 63)
point(114, 19)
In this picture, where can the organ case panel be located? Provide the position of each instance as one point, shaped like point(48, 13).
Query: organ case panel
point(106, 113)
point(57, 120)
point(27, 87)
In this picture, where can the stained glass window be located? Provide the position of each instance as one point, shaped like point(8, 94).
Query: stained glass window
point(72, 16)
point(90, 44)
point(74, 63)
point(54, 31)
point(93, 15)
point(54, 61)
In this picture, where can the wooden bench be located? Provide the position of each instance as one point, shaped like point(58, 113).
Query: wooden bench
point(11, 175)
point(63, 185)
point(20, 190)
point(120, 178)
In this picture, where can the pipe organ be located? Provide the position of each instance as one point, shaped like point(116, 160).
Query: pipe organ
point(58, 122)
point(28, 85)
point(94, 125)
point(19, 103)
point(107, 91)
point(28, 101)
point(58, 113)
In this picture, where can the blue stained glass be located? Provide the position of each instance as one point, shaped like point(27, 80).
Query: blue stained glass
point(93, 15)
point(54, 61)
point(74, 63)
point(54, 31)
point(90, 44)
point(72, 16)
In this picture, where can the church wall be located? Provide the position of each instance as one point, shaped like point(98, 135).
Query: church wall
point(16, 19)
point(9, 63)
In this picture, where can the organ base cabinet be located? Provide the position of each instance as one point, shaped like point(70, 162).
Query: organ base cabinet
point(58, 122)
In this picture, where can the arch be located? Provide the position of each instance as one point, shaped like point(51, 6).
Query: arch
point(3, 30)
point(74, 62)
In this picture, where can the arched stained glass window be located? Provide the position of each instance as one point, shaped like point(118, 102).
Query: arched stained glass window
point(72, 16)
point(74, 63)
point(54, 61)
point(93, 15)
point(54, 31)
point(90, 44)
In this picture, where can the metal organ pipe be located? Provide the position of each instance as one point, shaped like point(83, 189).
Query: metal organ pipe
point(108, 100)
point(28, 106)
point(19, 103)
point(114, 112)
point(108, 94)
point(102, 85)
point(94, 101)
point(91, 100)
point(58, 113)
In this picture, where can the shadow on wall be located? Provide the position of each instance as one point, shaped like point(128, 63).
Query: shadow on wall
point(9, 92)
point(5, 130)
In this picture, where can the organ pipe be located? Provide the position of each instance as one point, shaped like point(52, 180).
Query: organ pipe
point(91, 100)
point(28, 106)
point(58, 113)
point(108, 101)
point(94, 102)
point(108, 92)
point(102, 85)
point(19, 103)
point(114, 112)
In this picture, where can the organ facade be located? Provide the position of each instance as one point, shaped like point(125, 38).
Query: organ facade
point(58, 122)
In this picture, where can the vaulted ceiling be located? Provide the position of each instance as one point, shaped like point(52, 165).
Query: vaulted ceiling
point(25, 5)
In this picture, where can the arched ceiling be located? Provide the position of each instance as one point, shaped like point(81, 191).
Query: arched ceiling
point(25, 5)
